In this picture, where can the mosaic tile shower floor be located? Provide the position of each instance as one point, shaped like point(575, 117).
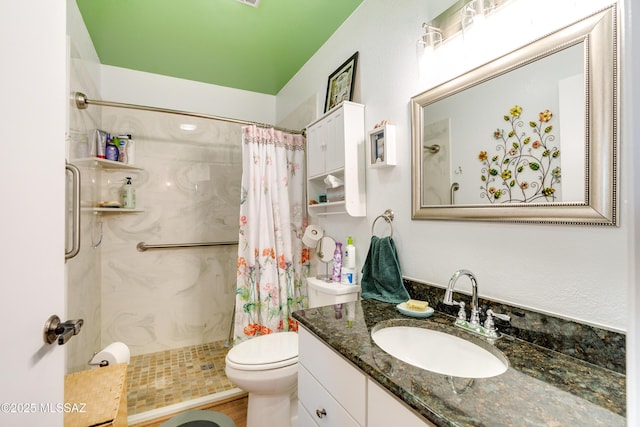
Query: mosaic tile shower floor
point(156, 380)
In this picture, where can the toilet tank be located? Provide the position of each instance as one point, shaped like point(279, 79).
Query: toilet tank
point(328, 293)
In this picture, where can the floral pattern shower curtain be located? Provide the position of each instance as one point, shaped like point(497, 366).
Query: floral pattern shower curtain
point(272, 260)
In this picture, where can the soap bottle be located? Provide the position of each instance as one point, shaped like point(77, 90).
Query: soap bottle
point(112, 151)
point(337, 263)
point(128, 194)
point(350, 254)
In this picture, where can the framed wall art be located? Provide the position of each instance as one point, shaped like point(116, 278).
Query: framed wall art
point(341, 83)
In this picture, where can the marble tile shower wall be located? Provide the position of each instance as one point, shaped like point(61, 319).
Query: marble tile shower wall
point(189, 191)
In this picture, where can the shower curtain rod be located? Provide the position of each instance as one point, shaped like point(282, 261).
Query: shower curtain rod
point(82, 102)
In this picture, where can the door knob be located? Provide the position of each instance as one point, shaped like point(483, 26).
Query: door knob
point(54, 330)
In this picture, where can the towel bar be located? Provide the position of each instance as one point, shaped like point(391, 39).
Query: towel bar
point(388, 217)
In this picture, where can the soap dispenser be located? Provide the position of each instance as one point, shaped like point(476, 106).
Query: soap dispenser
point(128, 194)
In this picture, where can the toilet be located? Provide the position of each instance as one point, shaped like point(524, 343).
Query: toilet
point(267, 366)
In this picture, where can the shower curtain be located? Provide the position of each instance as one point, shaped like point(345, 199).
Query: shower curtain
point(272, 260)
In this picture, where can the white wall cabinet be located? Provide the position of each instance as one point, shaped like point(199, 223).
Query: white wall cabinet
point(333, 392)
point(336, 146)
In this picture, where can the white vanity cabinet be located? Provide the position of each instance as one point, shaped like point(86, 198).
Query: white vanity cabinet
point(333, 392)
point(336, 146)
point(384, 410)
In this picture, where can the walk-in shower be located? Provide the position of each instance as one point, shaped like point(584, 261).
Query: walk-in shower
point(161, 278)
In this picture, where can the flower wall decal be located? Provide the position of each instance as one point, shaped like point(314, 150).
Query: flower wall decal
point(525, 168)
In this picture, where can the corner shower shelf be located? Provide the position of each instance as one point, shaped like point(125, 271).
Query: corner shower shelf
point(106, 165)
point(103, 163)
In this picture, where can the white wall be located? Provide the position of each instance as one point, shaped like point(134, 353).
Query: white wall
point(571, 271)
point(136, 87)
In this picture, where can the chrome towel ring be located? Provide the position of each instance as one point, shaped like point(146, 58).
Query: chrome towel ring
point(388, 217)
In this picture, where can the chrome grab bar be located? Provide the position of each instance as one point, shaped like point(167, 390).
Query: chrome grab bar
point(142, 246)
point(75, 229)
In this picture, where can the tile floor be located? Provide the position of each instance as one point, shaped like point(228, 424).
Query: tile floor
point(159, 379)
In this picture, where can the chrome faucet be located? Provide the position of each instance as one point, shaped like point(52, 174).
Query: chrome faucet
point(487, 330)
point(474, 318)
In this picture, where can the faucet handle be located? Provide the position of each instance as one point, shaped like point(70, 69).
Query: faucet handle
point(490, 326)
point(462, 315)
point(500, 316)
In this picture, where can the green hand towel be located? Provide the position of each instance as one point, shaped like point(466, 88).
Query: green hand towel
point(381, 276)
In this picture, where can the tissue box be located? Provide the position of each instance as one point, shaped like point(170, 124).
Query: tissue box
point(335, 194)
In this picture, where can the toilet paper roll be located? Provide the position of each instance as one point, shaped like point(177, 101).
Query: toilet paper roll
point(112, 354)
point(311, 236)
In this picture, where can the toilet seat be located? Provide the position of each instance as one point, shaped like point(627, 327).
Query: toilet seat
point(270, 351)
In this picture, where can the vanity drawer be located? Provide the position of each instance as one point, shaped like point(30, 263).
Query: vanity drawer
point(341, 379)
point(319, 405)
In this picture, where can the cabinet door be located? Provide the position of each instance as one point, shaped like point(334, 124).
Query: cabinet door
point(304, 418)
point(322, 407)
point(383, 410)
point(338, 377)
point(334, 155)
point(316, 143)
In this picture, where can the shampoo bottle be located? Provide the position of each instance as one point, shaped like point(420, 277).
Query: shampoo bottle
point(337, 263)
point(112, 152)
point(128, 194)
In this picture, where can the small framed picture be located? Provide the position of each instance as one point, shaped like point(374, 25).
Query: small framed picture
point(341, 83)
point(382, 146)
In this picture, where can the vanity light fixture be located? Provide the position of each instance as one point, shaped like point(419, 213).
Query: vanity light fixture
point(474, 13)
point(431, 37)
point(429, 41)
point(460, 17)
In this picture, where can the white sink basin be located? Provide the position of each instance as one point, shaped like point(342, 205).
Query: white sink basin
point(440, 352)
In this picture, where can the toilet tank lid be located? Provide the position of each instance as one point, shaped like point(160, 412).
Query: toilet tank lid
point(266, 349)
point(332, 288)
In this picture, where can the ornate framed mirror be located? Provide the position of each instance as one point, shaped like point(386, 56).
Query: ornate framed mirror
point(528, 137)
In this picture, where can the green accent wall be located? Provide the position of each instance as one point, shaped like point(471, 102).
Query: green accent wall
point(221, 42)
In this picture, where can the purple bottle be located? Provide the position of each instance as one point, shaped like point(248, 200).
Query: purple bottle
point(112, 152)
point(337, 263)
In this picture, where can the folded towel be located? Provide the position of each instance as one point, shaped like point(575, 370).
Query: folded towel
point(381, 276)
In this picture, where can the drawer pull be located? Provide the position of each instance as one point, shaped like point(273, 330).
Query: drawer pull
point(321, 413)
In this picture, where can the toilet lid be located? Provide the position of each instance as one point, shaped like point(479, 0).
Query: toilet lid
point(275, 350)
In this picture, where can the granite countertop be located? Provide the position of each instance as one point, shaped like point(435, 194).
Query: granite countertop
point(540, 388)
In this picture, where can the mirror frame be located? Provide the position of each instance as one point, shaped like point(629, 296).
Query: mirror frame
point(600, 206)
